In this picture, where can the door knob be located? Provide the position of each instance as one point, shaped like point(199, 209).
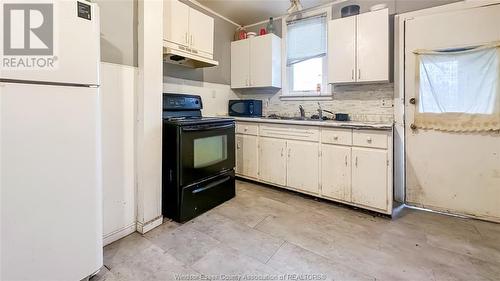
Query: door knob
point(413, 101)
point(413, 126)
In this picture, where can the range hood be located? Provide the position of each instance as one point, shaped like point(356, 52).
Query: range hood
point(186, 58)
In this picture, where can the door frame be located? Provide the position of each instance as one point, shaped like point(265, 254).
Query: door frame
point(399, 87)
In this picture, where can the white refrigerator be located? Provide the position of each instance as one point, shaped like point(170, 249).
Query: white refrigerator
point(50, 154)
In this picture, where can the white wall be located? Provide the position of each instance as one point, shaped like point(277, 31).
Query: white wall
point(118, 83)
point(118, 31)
point(215, 97)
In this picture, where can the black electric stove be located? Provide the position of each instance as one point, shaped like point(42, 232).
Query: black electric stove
point(198, 158)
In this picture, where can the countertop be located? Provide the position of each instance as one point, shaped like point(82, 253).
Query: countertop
point(327, 123)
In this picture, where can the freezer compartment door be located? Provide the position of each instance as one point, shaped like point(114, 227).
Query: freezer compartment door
point(50, 182)
point(76, 46)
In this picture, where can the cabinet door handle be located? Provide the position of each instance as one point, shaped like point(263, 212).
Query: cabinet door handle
point(352, 74)
point(359, 74)
point(282, 152)
point(345, 160)
point(356, 161)
point(289, 152)
point(369, 139)
point(238, 146)
point(192, 40)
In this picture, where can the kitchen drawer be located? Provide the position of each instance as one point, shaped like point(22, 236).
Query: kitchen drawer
point(368, 138)
point(336, 136)
point(247, 128)
point(291, 132)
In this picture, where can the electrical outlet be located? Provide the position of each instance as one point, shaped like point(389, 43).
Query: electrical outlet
point(386, 103)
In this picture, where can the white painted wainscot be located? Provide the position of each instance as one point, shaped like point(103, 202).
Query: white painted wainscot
point(350, 163)
point(118, 84)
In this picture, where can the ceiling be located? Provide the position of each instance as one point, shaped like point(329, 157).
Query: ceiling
point(245, 12)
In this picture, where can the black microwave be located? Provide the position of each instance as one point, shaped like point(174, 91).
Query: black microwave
point(245, 108)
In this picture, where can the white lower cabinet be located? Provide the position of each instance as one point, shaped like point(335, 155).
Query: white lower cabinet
point(345, 165)
point(369, 177)
point(272, 161)
point(303, 166)
point(336, 172)
point(247, 151)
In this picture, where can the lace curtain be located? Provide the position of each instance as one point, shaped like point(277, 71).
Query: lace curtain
point(458, 90)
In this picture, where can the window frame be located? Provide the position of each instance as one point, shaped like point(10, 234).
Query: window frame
point(287, 76)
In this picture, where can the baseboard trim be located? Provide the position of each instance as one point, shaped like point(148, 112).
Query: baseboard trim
point(119, 234)
point(452, 213)
point(142, 228)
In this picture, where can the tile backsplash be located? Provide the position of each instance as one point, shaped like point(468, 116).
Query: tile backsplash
point(368, 103)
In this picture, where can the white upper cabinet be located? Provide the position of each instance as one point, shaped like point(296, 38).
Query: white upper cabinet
point(175, 11)
point(373, 46)
point(358, 48)
point(187, 29)
point(256, 62)
point(201, 29)
point(342, 50)
point(240, 64)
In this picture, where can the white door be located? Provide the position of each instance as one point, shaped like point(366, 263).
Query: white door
point(373, 46)
point(336, 172)
point(451, 172)
point(240, 63)
point(342, 50)
point(247, 151)
point(201, 29)
point(303, 166)
point(272, 160)
point(176, 22)
point(261, 61)
point(369, 177)
point(50, 166)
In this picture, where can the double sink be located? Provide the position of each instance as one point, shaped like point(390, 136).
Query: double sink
point(313, 118)
point(297, 118)
point(348, 124)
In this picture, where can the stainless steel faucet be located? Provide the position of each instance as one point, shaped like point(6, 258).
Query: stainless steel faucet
point(320, 112)
point(302, 112)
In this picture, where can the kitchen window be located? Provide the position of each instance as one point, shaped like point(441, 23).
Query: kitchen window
point(305, 55)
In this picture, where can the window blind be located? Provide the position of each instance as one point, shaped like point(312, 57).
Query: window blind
point(306, 39)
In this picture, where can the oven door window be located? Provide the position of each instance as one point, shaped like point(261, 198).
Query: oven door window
point(206, 151)
point(209, 151)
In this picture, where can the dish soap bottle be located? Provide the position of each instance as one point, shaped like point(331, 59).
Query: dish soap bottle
point(270, 26)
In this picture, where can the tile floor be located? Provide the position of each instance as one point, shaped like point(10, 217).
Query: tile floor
point(272, 234)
